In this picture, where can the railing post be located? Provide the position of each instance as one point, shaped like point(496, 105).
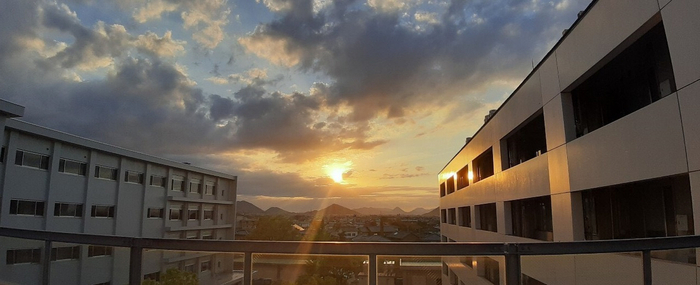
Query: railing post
point(646, 266)
point(46, 263)
point(248, 268)
point(372, 276)
point(135, 260)
point(512, 264)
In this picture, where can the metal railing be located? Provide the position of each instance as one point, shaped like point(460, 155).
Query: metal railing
point(511, 251)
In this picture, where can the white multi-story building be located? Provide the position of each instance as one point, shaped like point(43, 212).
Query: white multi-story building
point(55, 181)
point(600, 141)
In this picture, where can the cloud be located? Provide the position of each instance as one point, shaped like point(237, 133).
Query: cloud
point(382, 66)
point(163, 46)
point(248, 78)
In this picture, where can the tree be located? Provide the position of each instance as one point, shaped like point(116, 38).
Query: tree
point(174, 276)
point(331, 270)
point(274, 228)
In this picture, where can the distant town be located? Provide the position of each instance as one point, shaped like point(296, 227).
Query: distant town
point(338, 223)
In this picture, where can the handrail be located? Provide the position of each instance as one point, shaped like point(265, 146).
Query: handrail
point(511, 251)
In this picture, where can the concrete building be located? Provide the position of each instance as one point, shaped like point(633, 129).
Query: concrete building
point(600, 141)
point(55, 181)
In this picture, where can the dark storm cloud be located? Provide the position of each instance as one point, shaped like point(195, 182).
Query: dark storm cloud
point(383, 64)
point(146, 103)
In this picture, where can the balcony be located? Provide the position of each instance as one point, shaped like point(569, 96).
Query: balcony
point(375, 261)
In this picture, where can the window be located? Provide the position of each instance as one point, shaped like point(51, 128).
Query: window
point(101, 211)
point(158, 181)
point(65, 253)
point(486, 216)
point(189, 268)
point(94, 250)
point(155, 213)
point(155, 276)
point(527, 141)
point(19, 256)
point(532, 218)
point(193, 214)
point(191, 235)
point(465, 216)
point(450, 185)
point(133, 177)
point(24, 207)
point(451, 216)
point(207, 235)
point(2, 155)
point(175, 214)
point(195, 187)
point(178, 184)
point(105, 172)
point(443, 216)
point(205, 265)
point(209, 189)
point(483, 165)
point(442, 189)
point(68, 210)
point(487, 268)
point(463, 177)
point(72, 167)
point(638, 76)
point(208, 214)
point(31, 159)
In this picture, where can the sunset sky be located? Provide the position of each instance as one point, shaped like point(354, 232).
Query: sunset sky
point(308, 102)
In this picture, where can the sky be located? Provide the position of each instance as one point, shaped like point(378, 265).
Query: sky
point(309, 102)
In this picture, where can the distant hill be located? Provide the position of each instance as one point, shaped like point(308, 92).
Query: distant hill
point(245, 207)
point(373, 211)
point(418, 211)
point(276, 211)
point(333, 210)
point(434, 213)
point(398, 211)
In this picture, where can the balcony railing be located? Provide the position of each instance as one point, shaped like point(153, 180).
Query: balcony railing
point(511, 252)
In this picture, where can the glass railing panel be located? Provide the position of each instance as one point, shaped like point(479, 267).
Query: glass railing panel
point(404, 270)
point(287, 269)
point(89, 264)
point(459, 270)
point(676, 266)
point(607, 268)
point(208, 268)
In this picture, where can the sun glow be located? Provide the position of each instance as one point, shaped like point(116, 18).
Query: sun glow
point(337, 171)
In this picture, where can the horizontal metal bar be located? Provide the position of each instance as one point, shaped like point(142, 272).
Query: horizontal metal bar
point(362, 248)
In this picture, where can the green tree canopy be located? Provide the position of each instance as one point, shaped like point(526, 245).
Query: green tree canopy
point(274, 228)
point(174, 276)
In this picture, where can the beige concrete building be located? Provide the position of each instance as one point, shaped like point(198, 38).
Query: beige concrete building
point(55, 181)
point(600, 141)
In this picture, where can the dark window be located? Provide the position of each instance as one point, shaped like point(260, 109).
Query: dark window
point(193, 214)
point(195, 187)
point(451, 216)
point(443, 216)
point(72, 167)
point(23, 207)
point(483, 165)
point(442, 189)
point(487, 268)
point(178, 184)
point(133, 177)
point(209, 214)
point(205, 266)
point(2, 155)
point(68, 210)
point(465, 216)
point(209, 189)
point(486, 215)
point(638, 76)
point(532, 218)
point(450, 185)
point(158, 181)
point(65, 253)
point(100, 211)
point(106, 172)
point(155, 212)
point(463, 177)
point(30, 159)
point(94, 250)
point(189, 268)
point(18, 256)
point(525, 142)
point(175, 214)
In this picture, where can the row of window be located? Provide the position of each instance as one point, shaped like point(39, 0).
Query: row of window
point(36, 208)
point(176, 214)
point(35, 160)
point(640, 75)
point(33, 255)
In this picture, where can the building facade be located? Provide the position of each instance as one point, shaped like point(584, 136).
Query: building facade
point(55, 181)
point(600, 141)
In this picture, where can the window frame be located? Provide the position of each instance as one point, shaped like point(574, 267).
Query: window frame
point(109, 208)
point(44, 160)
point(81, 171)
point(58, 210)
point(113, 172)
point(39, 208)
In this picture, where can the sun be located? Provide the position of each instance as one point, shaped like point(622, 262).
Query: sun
point(337, 174)
point(336, 171)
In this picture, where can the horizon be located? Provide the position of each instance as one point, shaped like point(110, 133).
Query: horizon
point(308, 102)
point(318, 209)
